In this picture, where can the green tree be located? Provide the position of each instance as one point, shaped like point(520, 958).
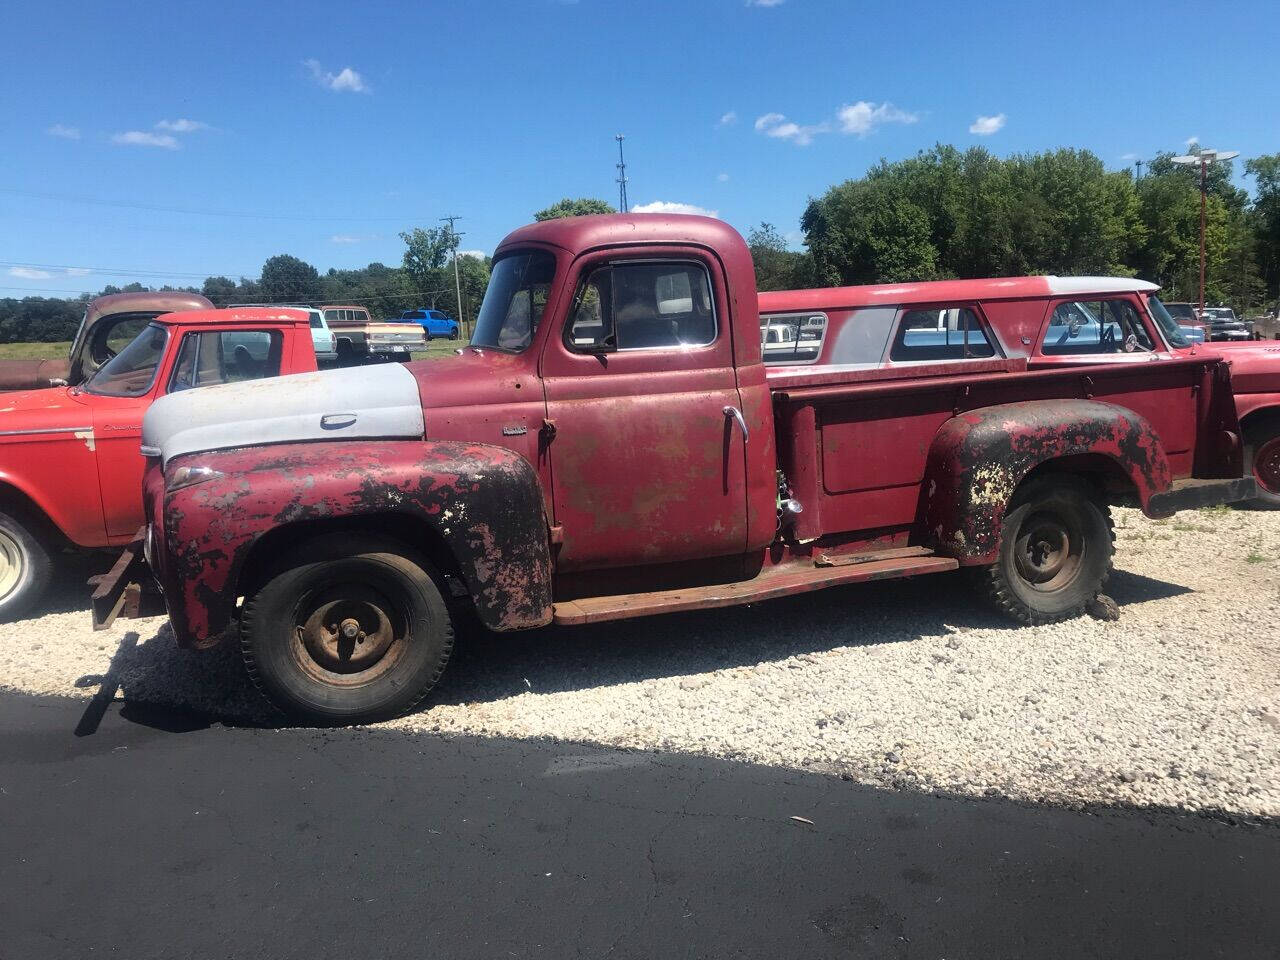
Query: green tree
point(1265, 171)
point(777, 268)
point(286, 279)
point(568, 207)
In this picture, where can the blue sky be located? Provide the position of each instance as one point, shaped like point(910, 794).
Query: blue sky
point(211, 136)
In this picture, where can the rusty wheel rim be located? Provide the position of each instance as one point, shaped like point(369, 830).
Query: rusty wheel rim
point(1048, 551)
point(349, 634)
point(1266, 466)
point(12, 564)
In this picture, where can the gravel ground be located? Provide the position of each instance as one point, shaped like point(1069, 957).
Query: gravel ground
point(907, 684)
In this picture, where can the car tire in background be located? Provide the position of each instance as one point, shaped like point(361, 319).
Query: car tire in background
point(1262, 456)
point(351, 628)
point(25, 567)
point(453, 333)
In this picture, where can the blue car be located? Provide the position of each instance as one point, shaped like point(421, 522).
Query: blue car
point(434, 323)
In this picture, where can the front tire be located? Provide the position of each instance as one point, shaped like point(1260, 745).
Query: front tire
point(453, 333)
point(1262, 456)
point(1056, 547)
point(25, 568)
point(356, 631)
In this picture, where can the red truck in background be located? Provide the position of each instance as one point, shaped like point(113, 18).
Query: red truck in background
point(610, 445)
point(109, 324)
point(1050, 321)
point(70, 469)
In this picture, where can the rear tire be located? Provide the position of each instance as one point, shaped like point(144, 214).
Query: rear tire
point(453, 334)
point(353, 629)
point(25, 568)
point(1262, 456)
point(1056, 546)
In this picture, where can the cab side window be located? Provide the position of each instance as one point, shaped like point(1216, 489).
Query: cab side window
point(940, 333)
point(212, 357)
point(642, 306)
point(1095, 327)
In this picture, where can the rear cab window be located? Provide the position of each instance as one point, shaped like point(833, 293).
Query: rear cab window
point(792, 338)
point(941, 332)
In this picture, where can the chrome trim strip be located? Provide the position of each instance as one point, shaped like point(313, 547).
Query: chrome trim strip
point(19, 433)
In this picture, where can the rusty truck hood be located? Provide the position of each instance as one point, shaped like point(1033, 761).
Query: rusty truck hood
point(1255, 365)
point(30, 374)
point(346, 404)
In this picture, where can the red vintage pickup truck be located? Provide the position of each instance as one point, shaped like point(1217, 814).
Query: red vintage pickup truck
point(1048, 320)
point(610, 445)
point(70, 470)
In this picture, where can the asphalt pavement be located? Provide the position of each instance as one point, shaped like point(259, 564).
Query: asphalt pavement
point(141, 832)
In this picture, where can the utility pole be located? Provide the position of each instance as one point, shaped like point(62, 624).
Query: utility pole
point(457, 282)
point(622, 176)
point(1204, 158)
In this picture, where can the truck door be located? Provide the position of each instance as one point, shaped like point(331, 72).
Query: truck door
point(648, 459)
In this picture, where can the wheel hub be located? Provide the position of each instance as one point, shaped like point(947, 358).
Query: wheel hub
point(1047, 551)
point(1266, 466)
point(347, 635)
point(12, 564)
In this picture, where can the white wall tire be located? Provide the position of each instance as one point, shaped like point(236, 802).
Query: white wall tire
point(24, 568)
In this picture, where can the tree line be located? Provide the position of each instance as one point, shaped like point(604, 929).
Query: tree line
point(944, 213)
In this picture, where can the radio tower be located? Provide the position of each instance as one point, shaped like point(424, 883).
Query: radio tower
point(622, 176)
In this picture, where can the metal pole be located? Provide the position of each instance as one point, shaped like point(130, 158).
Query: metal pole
point(457, 282)
point(1204, 167)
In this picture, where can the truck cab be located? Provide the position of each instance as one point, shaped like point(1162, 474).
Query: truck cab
point(109, 323)
point(70, 466)
point(610, 444)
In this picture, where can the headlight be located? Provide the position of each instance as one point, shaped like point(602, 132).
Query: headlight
point(186, 476)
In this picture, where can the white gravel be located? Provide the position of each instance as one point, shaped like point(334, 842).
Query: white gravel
point(908, 684)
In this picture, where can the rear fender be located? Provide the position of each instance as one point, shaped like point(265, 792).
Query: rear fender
point(484, 503)
point(978, 459)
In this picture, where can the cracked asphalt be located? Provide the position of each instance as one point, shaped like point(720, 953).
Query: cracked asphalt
point(142, 832)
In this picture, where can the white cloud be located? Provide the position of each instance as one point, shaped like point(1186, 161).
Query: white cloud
point(63, 131)
point(345, 80)
point(722, 177)
point(1129, 157)
point(985, 126)
point(141, 138)
point(778, 126)
point(765, 3)
point(77, 271)
point(1191, 141)
point(182, 126)
point(343, 238)
point(477, 254)
point(863, 117)
point(29, 273)
point(728, 119)
point(667, 206)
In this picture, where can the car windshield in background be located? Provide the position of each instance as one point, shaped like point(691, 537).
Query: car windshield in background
point(513, 304)
point(1168, 325)
point(131, 372)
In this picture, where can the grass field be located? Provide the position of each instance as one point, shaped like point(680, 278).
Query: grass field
point(24, 351)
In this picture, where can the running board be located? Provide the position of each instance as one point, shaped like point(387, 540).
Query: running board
point(767, 586)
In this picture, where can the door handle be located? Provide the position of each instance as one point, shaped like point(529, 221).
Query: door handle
point(736, 415)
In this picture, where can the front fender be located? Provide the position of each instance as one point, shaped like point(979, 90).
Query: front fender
point(483, 502)
point(978, 459)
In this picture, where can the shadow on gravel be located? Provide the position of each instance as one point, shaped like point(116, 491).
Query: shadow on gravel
point(178, 690)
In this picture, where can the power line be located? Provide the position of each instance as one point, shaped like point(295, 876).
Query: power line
point(129, 271)
point(191, 211)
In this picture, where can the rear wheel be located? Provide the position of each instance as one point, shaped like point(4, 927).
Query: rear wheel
point(25, 568)
point(1262, 455)
point(453, 333)
point(356, 631)
point(1055, 552)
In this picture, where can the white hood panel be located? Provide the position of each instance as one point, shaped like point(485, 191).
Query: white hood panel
point(366, 402)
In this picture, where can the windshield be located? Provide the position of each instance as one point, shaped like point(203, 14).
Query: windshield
point(131, 372)
point(513, 304)
point(1168, 326)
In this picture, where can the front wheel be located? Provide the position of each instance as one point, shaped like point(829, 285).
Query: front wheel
point(1055, 552)
point(25, 568)
point(453, 333)
point(1262, 455)
point(357, 632)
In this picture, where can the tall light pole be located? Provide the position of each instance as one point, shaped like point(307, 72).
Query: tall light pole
point(457, 282)
point(622, 176)
point(1204, 158)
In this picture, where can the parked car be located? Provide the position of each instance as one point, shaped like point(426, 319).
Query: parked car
point(361, 339)
point(654, 466)
point(1223, 324)
point(1119, 320)
point(109, 324)
point(70, 470)
point(434, 323)
point(1188, 319)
